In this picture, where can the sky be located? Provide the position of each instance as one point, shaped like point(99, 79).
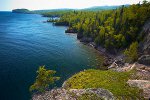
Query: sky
point(7, 5)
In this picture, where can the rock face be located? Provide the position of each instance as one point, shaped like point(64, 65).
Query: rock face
point(72, 94)
point(145, 45)
point(140, 79)
point(144, 59)
point(142, 84)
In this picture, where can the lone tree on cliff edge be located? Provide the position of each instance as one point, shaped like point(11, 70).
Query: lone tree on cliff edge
point(44, 79)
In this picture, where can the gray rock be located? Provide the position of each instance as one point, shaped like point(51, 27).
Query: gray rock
point(113, 65)
point(54, 94)
point(142, 84)
point(92, 44)
point(145, 45)
point(116, 64)
point(72, 94)
point(102, 93)
point(144, 59)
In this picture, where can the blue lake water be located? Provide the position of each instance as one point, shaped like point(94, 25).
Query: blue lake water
point(27, 43)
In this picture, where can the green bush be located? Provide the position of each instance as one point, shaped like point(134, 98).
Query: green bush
point(132, 52)
point(43, 80)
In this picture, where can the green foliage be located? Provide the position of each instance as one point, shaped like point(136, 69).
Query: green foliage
point(112, 29)
point(132, 52)
point(115, 82)
point(43, 80)
point(55, 13)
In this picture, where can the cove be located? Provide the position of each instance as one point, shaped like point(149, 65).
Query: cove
point(27, 43)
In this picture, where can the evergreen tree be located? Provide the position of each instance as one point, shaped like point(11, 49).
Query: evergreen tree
point(44, 79)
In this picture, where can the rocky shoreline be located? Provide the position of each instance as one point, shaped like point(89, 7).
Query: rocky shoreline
point(108, 58)
point(140, 79)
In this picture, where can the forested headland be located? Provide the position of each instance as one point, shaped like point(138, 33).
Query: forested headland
point(112, 29)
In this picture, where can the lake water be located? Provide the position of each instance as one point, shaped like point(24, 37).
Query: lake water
point(27, 43)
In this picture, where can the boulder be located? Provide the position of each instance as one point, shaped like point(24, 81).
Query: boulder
point(144, 59)
point(116, 64)
point(107, 62)
point(92, 44)
point(113, 65)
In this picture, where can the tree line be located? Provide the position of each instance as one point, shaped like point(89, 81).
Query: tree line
point(111, 29)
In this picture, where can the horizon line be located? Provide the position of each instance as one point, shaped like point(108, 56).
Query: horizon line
point(66, 8)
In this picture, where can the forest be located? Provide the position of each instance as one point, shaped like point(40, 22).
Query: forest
point(112, 29)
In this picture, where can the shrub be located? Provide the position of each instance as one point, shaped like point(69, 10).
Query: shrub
point(132, 52)
point(43, 80)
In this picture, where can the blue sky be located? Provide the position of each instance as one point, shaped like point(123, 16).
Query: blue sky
point(53, 4)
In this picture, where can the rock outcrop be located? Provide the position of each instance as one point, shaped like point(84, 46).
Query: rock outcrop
point(144, 59)
point(72, 94)
point(142, 84)
point(140, 79)
point(116, 64)
point(145, 45)
point(54, 94)
point(101, 93)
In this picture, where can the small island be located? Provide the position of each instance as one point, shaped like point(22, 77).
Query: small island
point(25, 11)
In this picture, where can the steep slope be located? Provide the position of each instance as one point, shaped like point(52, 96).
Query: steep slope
point(144, 46)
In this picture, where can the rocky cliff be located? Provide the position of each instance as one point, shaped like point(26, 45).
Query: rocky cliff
point(145, 45)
